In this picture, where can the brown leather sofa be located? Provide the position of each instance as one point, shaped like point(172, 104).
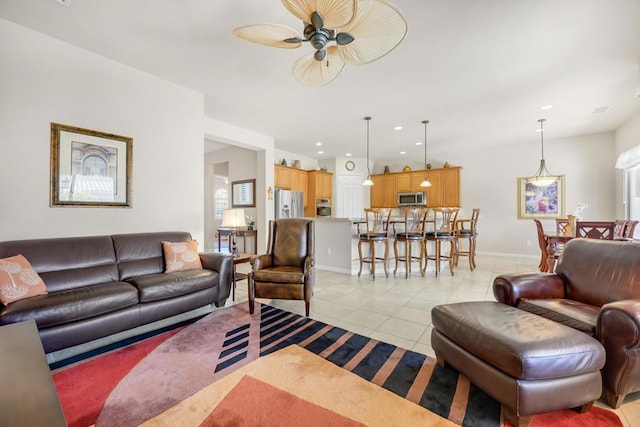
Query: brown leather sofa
point(595, 289)
point(101, 285)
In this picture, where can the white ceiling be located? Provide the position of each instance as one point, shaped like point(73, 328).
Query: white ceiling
point(479, 71)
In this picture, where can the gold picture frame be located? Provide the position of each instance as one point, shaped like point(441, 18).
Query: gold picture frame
point(90, 168)
point(544, 202)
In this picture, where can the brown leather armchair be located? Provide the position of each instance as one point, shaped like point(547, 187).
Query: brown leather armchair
point(287, 270)
point(595, 289)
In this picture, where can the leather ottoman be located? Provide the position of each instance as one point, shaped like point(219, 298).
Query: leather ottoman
point(527, 363)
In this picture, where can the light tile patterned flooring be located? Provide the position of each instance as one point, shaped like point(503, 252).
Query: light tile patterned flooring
point(395, 310)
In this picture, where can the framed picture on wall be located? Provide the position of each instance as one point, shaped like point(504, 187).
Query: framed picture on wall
point(540, 202)
point(89, 168)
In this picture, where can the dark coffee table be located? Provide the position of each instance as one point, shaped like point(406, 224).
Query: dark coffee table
point(27, 394)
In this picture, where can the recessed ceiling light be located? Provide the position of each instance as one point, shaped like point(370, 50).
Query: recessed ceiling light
point(403, 152)
point(318, 144)
point(320, 152)
point(601, 110)
point(546, 107)
point(418, 143)
point(348, 154)
point(397, 128)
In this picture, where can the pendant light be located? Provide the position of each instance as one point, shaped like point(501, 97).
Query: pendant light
point(426, 182)
point(367, 182)
point(543, 177)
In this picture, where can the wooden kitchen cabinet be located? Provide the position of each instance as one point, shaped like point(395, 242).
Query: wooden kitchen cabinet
point(444, 190)
point(288, 178)
point(445, 187)
point(384, 192)
point(320, 186)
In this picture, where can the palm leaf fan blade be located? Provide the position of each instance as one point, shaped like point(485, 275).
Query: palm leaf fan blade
point(310, 72)
point(378, 28)
point(273, 35)
point(335, 13)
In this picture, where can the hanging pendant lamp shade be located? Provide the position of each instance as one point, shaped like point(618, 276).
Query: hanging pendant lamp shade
point(543, 177)
point(367, 182)
point(426, 182)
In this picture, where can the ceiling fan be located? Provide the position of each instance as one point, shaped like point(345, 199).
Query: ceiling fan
point(341, 32)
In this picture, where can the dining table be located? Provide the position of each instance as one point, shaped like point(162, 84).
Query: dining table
point(555, 241)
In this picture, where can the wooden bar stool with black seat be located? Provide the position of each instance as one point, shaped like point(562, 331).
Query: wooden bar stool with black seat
point(468, 229)
point(377, 222)
point(414, 232)
point(443, 231)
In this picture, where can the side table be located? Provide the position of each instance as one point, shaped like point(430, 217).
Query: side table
point(240, 259)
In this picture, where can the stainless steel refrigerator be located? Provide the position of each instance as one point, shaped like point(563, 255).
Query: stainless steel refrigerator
point(289, 204)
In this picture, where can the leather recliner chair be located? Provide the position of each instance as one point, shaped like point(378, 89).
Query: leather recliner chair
point(287, 270)
point(595, 289)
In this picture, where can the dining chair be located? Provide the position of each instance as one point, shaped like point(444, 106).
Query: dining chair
point(603, 230)
point(550, 248)
point(377, 223)
point(629, 229)
point(563, 226)
point(468, 229)
point(444, 231)
point(618, 229)
point(413, 232)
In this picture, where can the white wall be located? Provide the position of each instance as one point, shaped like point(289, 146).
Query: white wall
point(43, 80)
point(489, 182)
point(627, 136)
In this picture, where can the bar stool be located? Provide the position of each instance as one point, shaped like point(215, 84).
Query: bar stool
point(414, 232)
point(443, 231)
point(468, 229)
point(377, 222)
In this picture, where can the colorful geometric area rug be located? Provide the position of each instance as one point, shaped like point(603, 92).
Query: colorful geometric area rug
point(227, 341)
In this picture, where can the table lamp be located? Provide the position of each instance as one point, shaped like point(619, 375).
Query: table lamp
point(233, 219)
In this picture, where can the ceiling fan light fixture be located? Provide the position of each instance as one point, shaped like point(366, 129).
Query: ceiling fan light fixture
point(368, 182)
point(362, 30)
point(425, 183)
point(542, 177)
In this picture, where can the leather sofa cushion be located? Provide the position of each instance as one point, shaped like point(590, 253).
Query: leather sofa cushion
point(280, 274)
point(575, 314)
point(156, 287)
point(71, 305)
point(67, 263)
point(520, 344)
point(140, 254)
point(597, 272)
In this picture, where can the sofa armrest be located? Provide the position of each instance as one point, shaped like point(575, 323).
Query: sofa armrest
point(509, 288)
point(223, 264)
point(261, 261)
point(618, 329)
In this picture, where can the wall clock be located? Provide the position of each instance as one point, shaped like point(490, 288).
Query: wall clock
point(349, 165)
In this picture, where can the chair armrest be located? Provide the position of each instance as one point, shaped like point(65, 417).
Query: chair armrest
point(223, 264)
point(618, 329)
point(620, 321)
point(460, 223)
point(261, 261)
point(509, 288)
point(308, 264)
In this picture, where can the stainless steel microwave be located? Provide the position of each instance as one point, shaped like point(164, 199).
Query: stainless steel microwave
point(416, 198)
